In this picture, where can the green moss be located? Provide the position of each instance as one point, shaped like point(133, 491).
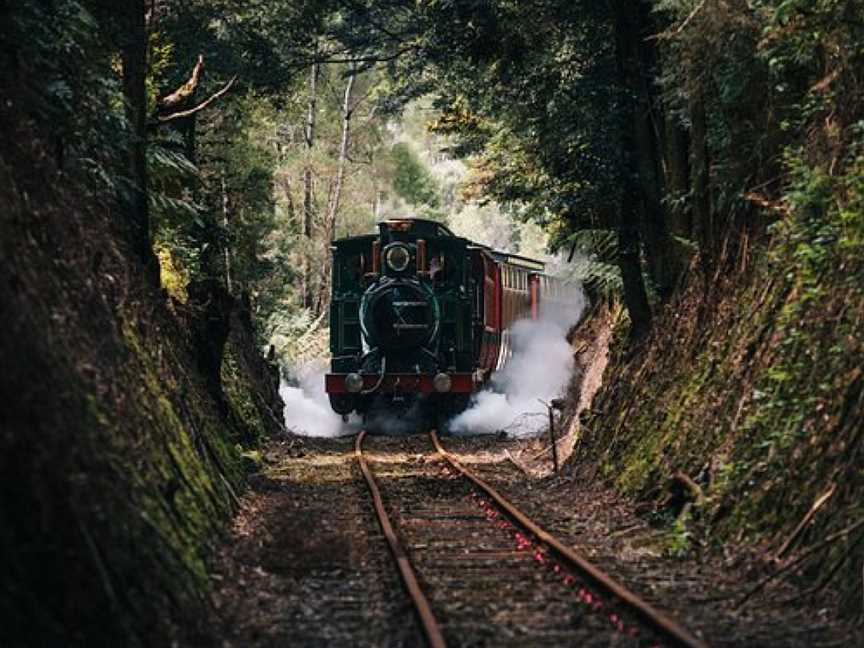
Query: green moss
point(171, 276)
point(761, 396)
point(191, 459)
point(242, 396)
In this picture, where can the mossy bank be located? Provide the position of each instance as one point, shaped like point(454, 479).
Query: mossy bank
point(120, 457)
point(752, 386)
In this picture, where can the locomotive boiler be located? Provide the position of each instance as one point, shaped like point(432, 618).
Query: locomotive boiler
point(419, 320)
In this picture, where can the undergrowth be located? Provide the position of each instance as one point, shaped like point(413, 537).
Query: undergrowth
point(753, 386)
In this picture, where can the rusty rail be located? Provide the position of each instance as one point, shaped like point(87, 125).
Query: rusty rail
point(661, 622)
point(421, 603)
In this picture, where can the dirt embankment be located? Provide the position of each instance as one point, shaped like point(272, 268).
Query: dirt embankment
point(739, 422)
point(119, 463)
point(590, 343)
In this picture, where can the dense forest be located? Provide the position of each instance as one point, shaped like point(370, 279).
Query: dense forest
point(172, 175)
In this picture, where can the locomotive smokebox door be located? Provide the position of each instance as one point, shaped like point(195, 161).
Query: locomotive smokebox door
point(399, 315)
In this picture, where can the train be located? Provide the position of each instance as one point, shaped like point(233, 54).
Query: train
point(420, 318)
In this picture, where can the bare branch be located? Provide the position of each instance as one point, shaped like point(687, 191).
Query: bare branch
point(668, 35)
point(383, 58)
point(689, 18)
point(185, 91)
point(199, 107)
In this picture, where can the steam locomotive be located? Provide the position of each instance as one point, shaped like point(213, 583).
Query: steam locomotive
point(420, 318)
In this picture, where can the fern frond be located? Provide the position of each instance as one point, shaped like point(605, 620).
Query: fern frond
point(597, 277)
point(597, 244)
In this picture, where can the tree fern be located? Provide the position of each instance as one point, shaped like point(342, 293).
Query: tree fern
point(594, 261)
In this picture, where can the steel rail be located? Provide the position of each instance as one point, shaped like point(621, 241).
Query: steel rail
point(430, 624)
point(648, 613)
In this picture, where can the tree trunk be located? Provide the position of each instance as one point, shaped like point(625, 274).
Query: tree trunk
point(677, 148)
point(640, 67)
point(700, 164)
point(133, 57)
point(336, 193)
point(225, 234)
point(632, 193)
point(308, 207)
point(635, 297)
point(211, 307)
point(675, 144)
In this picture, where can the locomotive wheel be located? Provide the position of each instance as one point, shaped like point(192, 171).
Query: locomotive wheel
point(447, 408)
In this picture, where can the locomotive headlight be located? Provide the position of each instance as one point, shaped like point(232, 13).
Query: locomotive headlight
point(398, 257)
point(353, 382)
point(442, 382)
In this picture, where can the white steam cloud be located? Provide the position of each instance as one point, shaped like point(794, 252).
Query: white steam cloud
point(307, 409)
point(538, 370)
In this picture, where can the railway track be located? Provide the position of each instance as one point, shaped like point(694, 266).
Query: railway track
point(481, 572)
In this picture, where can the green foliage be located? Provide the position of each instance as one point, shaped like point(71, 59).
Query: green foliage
point(411, 180)
point(541, 123)
point(595, 262)
point(238, 150)
point(765, 396)
point(532, 113)
point(60, 56)
point(259, 42)
point(679, 536)
point(176, 217)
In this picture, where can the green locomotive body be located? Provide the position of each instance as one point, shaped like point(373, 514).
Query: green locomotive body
point(419, 319)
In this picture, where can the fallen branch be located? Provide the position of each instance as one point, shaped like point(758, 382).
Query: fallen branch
point(820, 501)
point(765, 203)
point(826, 82)
point(517, 464)
point(828, 577)
point(199, 107)
point(798, 560)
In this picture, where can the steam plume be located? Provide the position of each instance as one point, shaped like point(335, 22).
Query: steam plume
point(307, 408)
point(539, 370)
